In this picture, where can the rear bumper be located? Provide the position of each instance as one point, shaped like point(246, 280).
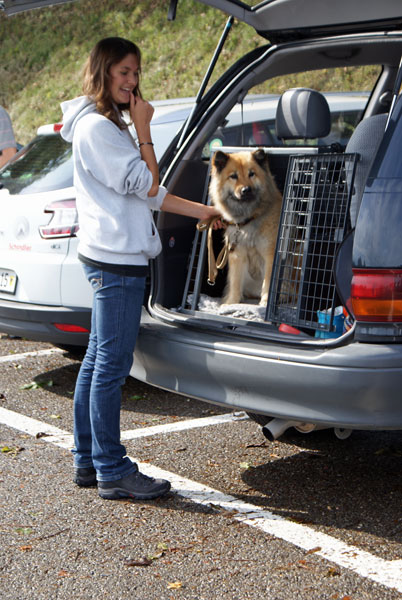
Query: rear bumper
point(354, 386)
point(36, 322)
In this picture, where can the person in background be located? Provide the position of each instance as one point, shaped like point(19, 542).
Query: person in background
point(8, 147)
point(116, 180)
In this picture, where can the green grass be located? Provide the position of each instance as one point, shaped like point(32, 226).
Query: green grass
point(42, 53)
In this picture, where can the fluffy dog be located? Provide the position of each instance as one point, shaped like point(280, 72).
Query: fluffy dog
point(243, 189)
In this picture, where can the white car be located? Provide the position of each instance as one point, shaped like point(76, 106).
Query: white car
point(43, 292)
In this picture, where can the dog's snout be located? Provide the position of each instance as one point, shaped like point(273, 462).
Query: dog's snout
point(245, 190)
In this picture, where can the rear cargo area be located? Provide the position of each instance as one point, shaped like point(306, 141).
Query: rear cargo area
point(303, 300)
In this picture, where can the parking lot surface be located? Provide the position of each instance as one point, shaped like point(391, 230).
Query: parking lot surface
point(306, 517)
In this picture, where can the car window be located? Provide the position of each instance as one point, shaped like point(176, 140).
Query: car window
point(162, 134)
point(45, 164)
point(263, 133)
point(253, 124)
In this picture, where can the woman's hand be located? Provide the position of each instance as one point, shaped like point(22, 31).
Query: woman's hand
point(181, 206)
point(210, 212)
point(141, 113)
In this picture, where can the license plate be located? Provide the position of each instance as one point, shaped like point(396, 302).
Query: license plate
point(8, 281)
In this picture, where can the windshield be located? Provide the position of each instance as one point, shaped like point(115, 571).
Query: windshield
point(45, 164)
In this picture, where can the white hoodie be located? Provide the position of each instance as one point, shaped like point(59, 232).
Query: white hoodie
point(112, 184)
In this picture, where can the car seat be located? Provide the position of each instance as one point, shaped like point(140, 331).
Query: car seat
point(365, 141)
point(302, 113)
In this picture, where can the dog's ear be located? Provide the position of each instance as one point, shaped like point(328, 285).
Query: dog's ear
point(220, 160)
point(260, 158)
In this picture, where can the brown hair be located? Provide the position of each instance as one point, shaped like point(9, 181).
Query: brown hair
point(105, 54)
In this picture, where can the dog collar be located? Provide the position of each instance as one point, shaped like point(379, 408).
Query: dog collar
point(242, 223)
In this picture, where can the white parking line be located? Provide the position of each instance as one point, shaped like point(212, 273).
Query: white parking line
point(132, 434)
point(384, 572)
point(24, 355)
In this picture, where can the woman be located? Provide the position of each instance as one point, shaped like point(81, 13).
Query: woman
point(117, 185)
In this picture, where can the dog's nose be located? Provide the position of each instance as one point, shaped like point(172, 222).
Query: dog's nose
point(246, 192)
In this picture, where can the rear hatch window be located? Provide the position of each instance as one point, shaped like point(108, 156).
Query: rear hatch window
point(44, 165)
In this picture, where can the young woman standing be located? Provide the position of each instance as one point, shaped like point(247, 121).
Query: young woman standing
point(117, 186)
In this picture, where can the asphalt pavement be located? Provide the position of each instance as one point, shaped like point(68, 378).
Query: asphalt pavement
point(305, 517)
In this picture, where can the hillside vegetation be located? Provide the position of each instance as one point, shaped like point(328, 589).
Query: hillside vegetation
point(42, 52)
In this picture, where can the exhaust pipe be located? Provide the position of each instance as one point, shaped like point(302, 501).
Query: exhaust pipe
point(276, 427)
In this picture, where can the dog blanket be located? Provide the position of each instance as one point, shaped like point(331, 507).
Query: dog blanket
point(250, 312)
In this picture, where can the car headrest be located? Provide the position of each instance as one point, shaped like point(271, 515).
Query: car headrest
point(302, 113)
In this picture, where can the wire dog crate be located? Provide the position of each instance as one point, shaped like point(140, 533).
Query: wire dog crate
point(314, 221)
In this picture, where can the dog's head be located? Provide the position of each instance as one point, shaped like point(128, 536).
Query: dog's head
point(240, 182)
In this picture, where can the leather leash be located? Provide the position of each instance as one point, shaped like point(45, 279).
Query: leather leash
point(219, 263)
point(213, 264)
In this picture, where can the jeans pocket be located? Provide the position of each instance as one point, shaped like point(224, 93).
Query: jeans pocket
point(96, 283)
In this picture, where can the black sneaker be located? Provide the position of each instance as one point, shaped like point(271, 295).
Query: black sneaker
point(85, 476)
point(135, 485)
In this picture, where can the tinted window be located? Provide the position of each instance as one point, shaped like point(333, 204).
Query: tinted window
point(45, 164)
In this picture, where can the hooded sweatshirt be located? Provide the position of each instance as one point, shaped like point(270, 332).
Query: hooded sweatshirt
point(112, 184)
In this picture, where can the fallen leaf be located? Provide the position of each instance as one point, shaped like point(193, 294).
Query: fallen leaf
point(175, 585)
point(316, 549)
point(26, 548)
point(63, 573)
point(140, 562)
point(12, 451)
point(35, 385)
point(54, 417)
point(24, 530)
point(136, 397)
point(262, 445)
point(155, 556)
point(245, 465)
point(162, 546)
point(332, 572)
point(41, 434)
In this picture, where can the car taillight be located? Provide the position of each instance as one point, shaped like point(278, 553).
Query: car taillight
point(377, 295)
point(70, 328)
point(63, 222)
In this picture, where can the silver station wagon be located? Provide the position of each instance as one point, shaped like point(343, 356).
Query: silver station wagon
point(326, 351)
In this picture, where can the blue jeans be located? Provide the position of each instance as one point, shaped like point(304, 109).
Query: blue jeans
point(116, 314)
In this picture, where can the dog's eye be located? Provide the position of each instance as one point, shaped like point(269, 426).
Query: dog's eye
point(251, 173)
point(233, 176)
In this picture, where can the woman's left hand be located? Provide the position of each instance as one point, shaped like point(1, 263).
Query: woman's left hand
point(210, 213)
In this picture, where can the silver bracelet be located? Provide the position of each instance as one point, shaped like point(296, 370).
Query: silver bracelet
point(145, 144)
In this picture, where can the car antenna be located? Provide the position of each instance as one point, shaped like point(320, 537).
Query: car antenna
point(207, 75)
